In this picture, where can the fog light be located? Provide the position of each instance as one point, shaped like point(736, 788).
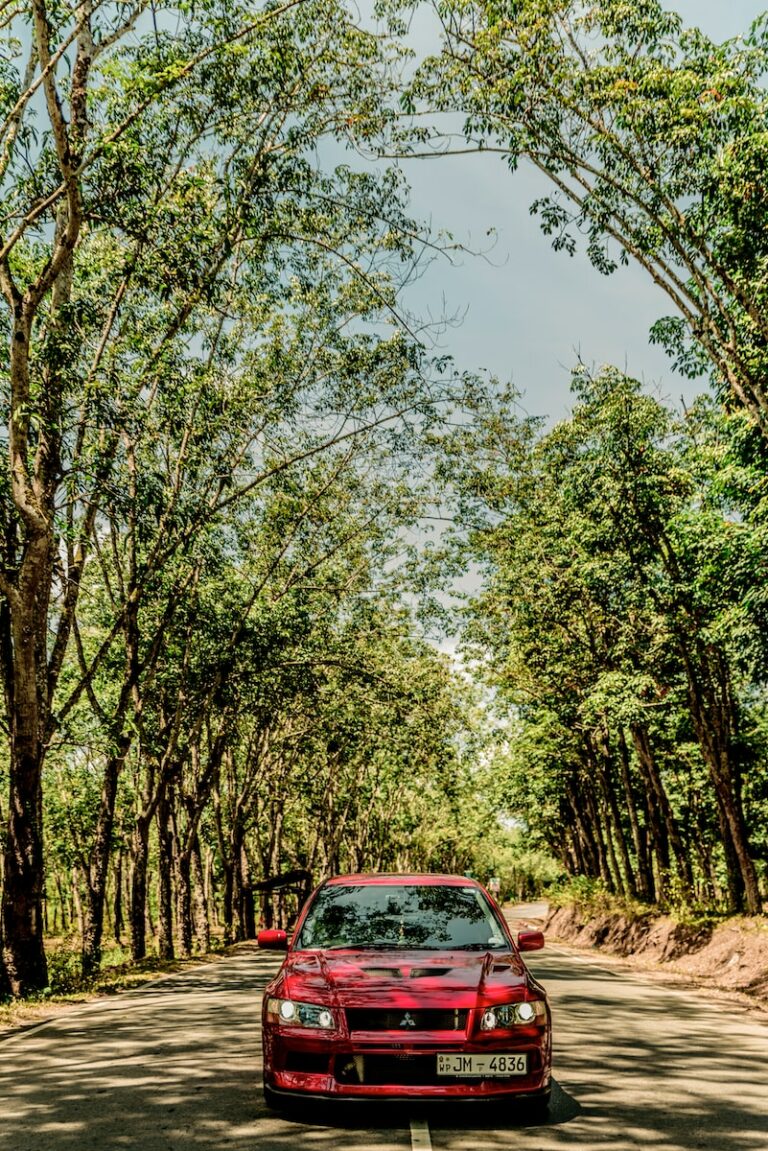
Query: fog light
point(488, 1021)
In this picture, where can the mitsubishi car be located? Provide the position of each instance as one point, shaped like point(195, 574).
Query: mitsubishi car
point(406, 987)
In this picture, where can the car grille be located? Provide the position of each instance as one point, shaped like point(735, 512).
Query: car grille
point(307, 1062)
point(367, 1019)
point(401, 1069)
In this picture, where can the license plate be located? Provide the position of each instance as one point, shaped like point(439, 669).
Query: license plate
point(482, 1066)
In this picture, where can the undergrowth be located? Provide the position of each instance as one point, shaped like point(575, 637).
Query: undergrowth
point(593, 899)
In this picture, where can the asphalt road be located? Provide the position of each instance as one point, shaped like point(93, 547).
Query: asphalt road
point(177, 1066)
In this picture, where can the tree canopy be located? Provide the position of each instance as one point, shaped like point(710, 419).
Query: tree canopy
point(624, 622)
point(653, 138)
point(223, 439)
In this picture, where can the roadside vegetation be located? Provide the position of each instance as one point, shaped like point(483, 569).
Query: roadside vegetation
point(592, 899)
point(623, 616)
point(224, 438)
point(622, 623)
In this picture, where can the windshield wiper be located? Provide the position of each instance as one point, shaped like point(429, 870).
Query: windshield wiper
point(477, 947)
point(352, 945)
point(389, 945)
point(380, 945)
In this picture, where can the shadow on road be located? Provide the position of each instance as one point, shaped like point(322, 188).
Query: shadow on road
point(637, 1066)
point(652, 1066)
point(157, 1070)
point(477, 1115)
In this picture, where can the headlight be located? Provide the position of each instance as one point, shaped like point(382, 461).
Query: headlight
point(512, 1014)
point(301, 1014)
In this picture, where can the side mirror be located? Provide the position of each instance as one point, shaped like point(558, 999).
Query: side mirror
point(530, 941)
point(273, 938)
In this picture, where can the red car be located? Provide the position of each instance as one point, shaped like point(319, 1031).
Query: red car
point(405, 986)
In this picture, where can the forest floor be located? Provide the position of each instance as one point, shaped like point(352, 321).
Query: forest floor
point(730, 955)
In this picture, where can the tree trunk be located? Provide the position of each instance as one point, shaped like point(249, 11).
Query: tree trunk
point(98, 867)
point(184, 903)
point(236, 929)
point(165, 879)
point(202, 921)
point(247, 907)
point(117, 906)
point(570, 854)
point(139, 889)
point(615, 829)
point(228, 901)
point(733, 873)
point(715, 716)
point(23, 954)
point(34, 426)
point(664, 828)
point(583, 833)
point(599, 838)
point(63, 901)
point(644, 872)
point(76, 899)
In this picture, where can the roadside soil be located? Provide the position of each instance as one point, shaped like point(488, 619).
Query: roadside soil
point(731, 956)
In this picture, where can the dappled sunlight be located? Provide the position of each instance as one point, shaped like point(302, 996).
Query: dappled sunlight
point(636, 1064)
point(646, 1066)
point(175, 1065)
point(147, 1070)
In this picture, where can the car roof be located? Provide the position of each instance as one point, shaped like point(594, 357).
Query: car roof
point(400, 880)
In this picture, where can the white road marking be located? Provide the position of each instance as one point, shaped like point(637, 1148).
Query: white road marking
point(420, 1137)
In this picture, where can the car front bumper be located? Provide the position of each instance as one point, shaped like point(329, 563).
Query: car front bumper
point(390, 1070)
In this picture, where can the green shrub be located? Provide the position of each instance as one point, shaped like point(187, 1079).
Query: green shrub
point(593, 898)
point(64, 971)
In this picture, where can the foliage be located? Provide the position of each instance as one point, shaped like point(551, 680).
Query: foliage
point(652, 137)
point(621, 627)
point(213, 411)
point(221, 433)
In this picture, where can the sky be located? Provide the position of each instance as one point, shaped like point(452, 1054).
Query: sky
point(528, 313)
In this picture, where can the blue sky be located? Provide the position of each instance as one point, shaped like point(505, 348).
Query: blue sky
point(529, 312)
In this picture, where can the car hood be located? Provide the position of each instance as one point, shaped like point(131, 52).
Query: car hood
point(457, 979)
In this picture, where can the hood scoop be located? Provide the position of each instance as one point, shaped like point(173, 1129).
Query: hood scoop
point(406, 973)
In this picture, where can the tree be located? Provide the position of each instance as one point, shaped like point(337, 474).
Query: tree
point(620, 618)
point(682, 559)
point(156, 167)
point(654, 138)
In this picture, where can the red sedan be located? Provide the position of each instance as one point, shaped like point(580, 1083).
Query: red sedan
point(405, 986)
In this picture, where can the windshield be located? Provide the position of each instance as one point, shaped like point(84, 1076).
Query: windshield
point(427, 917)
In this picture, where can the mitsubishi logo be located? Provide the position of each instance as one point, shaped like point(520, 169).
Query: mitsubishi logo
point(407, 1020)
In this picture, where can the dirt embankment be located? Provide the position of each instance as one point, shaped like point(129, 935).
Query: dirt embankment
point(731, 956)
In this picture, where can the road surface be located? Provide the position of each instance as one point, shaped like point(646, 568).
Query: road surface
point(176, 1067)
